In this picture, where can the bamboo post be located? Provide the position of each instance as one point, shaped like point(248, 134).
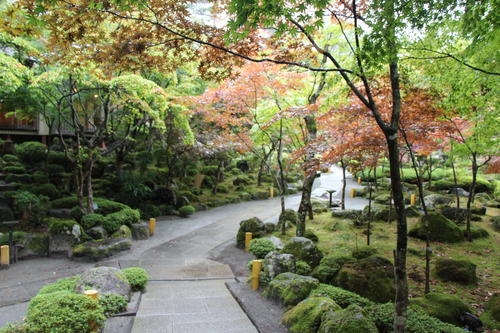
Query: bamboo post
point(271, 192)
point(152, 226)
point(359, 180)
point(93, 294)
point(353, 193)
point(412, 199)
point(5, 255)
point(248, 239)
point(256, 266)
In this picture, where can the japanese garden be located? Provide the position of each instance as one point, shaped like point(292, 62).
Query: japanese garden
point(237, 166)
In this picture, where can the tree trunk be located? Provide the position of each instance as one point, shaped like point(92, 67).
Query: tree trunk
point(368, 231)
point(471, 194)
point(430, 172)
point(305, 201)
point(344, 183)
point(90, 191)
point(282, 177)
point(455, 180)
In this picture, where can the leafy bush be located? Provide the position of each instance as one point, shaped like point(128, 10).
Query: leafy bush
point(76, 213)
point(18, 178)
point(31, 152)
point(57, 157)
point(105, 206)
point(417, 321)
point(17, 169)
point(40, 178)
point(342, 297)
point(260, 247)
point(137, 277)
point(67, 284)
point(67, 202)
point(185, 211)
point(150, 210)
point(36, 205)
point(11, 328)
point(16, 235)
point(302, 268)
point(363, 252)
point(63, 312)
point(112, 304)
point(60, 226)
point(9, 158)
point(127, 216)
point(241, 180)
point(311, 235)
point(91, 220)
point(47, 190)
point(209, 170)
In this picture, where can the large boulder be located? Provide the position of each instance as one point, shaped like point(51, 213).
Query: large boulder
point(106, 280)
point(63, 235)
point(289, 217)
point(380, 212)
point(140, 231)
point(122, 232)
point(458, 215)
point(447, 308)
point(351, 320)
point(253, 225)
point(306, 316)
point(278, 244)
point(274, 264)
point(372, 278)
point(441, 229)
point(461, 271)
point(351, 214)
point(100, 249)
point(434, 200)
point(97, 233)
point(304, 249)
point(290, 288)
point(329, 266)
point(36, 244)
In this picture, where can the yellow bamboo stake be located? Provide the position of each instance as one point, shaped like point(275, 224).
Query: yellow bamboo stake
point(271, 192)
point(94, 294)
point(4, 255)
point(353, 193)
point(412, 199)
point(359, 180)
point(256, 266)
point(248, 239)
point(152, 226)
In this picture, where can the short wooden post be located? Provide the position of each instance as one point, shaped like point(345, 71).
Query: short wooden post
point(359, 180)
point(271, 192)
point(248, 239)
point(256, 266)
point(94, 294)
point(152, 226)
point(353, 193)
point(412, 199)
point(5, 255)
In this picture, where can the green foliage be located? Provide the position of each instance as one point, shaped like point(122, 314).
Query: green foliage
point(127, 216)
point(447, 308)
point(36, 204)
point(462, 271)
point(31, 152)
point(329, 266)
point(302, 268)
point(441, 229)
point(260, 247)
point(57, 158)
point(11, 328)
point(253, 225)
point(67, 202)
point(61, 226)
point(47, 190)
point(185, 211)
point(105, 206)
point(9, 158)
point(363, 252)
point(210, 170)
point(18, 178)
point(311, 235)
point(137, 277)
point(40, 178)
point(150, 210)
point(54, 169)
point(63, 312)
point(14, 169)
point(342, 297)
point(91, 220)
point(16, 235)
point(351, 320)
point(112, 304)
point(290, 288)
point(306, 316)
point(241, 180)
point(66, 284)
point(13, 75)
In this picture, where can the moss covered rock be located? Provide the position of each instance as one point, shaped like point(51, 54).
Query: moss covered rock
point(447, 308)
point(351, 320)
point(342, 297)
point(371, 277)
point(253, 225)
point(351, 214)
point(434, 200)
point(289, 217)
point(476, 232)
point(290, 288)
point(412, 211)
point(363, 252)
point(122, 232)
point(462, 271)
point(329, 266)
point(303, 249)
point(380, 212)
point(274, 264)
point(491, 314)
point(306, 316)
point(441, 229)
point(100, 249)
point(106, 280)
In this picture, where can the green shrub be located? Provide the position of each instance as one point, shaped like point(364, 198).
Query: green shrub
point(57, 157)
point(54, 169)
point(16, 235)
point(302, 268)
point(137, 277)
point(60, 226)
point(105, 206)
point(363, 252)
point(47, 190)
point(40, 178)
point(67, 202)
point(260, 247)
point(311, 235)
point(9, 158)
point(91, 220)
point(112, 304)
point(76, 213)
point(67, 284)
point(37, 205)
point(210, 170)
point(18, 178)
point(241, 180)
point(11, 328)
point(150, 210)
point(17, 169)
point(64, 312)
point(31, 152)
point(127, 216)
point(185, 211)
point(342, 297)
point(188, 194)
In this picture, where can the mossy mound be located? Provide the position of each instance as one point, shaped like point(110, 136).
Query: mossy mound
point(303, 249)
point(329, 266)
point(447, 308)
point(461, 271)
point(363, 252)
point(289, 288)
point(274, 264)
point(351, 214)
point(491, 314)
point(351, 320)
point(306, 316)
point(372, 278)
point(309, 234)
point(253, 225)
point(342, 297)
point(289, 217)
point(412, 211)
point(441, 229)
point(122, 232)
point(380, 212)
point(476, 233)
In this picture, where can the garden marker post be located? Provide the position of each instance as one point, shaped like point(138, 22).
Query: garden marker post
point(271, 192)
point(94, 294)
point(353, 193)
point(4, 255)
point(412, 199)
point(359, 180)
point(248, 239)
point(152, 226)
point(256, 266)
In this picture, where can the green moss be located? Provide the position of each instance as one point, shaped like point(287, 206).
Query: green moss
point(112, 304)
point(260, 247)
point(60, 226)
point(329, 266)
point(302, 268)
point(306, 316)
point(462, 271)
point(67, 202)
point(342, 297)
point(491, 315)
point(67, 284)
point(31, 152)
point(127, 216)
point(441, 229)
point(309, 234)
point(137, 278)
point(91, 220)
point(105, 206)
point(39, 243)
point(122, 232)
point(351, 320)
point(186, 211)
point(253, 225)
point(476, 232)
point(48, 190)
point(289, 288)
point(14, 169)
point(363, 252)
point(447, 308)
point(303, 249)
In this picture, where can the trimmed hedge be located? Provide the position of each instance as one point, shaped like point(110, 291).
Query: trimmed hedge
point(112, 304)
point(60, 226)
point(67, 284)
point(185, 211)
point(127, 216)
point(260, 247)
point(48, 190)
point(137, 278)
point(31, 152)
point(91, 220)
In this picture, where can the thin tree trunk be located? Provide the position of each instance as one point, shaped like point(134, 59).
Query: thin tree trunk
point(344, 184)
point(455, 180)
point(90, 191)
point(370, 217)
point(471, 194)
point(282, 179)
point(430, 172)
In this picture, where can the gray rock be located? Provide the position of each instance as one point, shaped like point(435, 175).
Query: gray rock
point(347, 214)
point(304, 249)
point(289, 288)
point(106, 280)
point(97, 233)
point(277, 242)
point(63, 243)
point(460, 191)
point(33, 245)
point(380, 212)
point(433, 200)
point(140, 231)
point(276, 263)
point(96, 250)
